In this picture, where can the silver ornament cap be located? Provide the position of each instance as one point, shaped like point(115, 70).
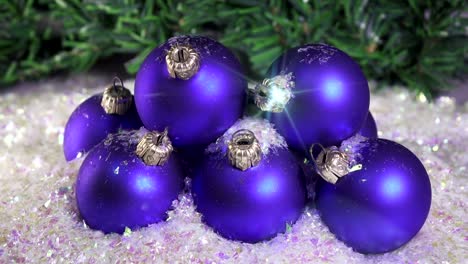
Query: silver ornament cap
point(116, 99)
point(332, 163)
point(244, 150)
point(182, 61)
point(273, 94)
point(154, 148)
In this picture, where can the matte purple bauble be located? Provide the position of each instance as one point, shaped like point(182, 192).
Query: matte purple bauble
point(197, 109)
point(116, 189)
point(328, 100)
point(369, 129)
point(382, 206)
point(89, 124)
point(251, 205)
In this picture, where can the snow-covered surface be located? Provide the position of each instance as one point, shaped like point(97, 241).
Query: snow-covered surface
point(39, 221)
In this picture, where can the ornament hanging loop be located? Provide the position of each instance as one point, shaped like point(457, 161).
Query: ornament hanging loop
point(331, 163)
point(244, 150)
point(154, 148)
point(117, 79)
point(182, 61)
point(116, 99)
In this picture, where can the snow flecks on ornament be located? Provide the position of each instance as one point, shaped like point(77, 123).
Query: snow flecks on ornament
point(353, 144)
point(352, 147)
point(32, 233)
point(125, 138)
point(326, 53)
point(207, 50)
point(264, 131)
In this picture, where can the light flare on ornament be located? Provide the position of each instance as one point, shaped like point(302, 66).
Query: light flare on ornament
point(273, 94)
point(392, 187)
point(209, 84)
point(278, 96)
point(144, 183)
point(268, 186)
point(333, 89)
point(296, 131)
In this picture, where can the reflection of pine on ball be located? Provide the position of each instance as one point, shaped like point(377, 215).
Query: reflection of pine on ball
point(246, 195)
point(381, 205)
point(193, 85)
point(124, 184)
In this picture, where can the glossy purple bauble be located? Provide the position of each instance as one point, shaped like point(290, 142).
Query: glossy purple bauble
point(369, 129)
point(330, 97)
point(197, 110)
point(115, 189)
point(382, 206)
point(89, 124)
point(252, 205)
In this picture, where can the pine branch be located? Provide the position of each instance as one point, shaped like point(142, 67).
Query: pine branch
point(420, 44)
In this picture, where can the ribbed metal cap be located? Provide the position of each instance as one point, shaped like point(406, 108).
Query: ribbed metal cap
point(332, 163)
point(273, 94)
point(116, 99)
point(244, 150)
point(182, 61)
point(154, 148)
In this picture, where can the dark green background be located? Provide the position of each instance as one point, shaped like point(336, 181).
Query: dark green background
point(421, 44)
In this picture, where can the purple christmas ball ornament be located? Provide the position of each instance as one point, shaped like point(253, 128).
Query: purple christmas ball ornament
point(314, 94)
point(246, 189)
point(128, 180)
point(193, 85)
point(98, 116)
point(369, 129)
point(376, 194)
